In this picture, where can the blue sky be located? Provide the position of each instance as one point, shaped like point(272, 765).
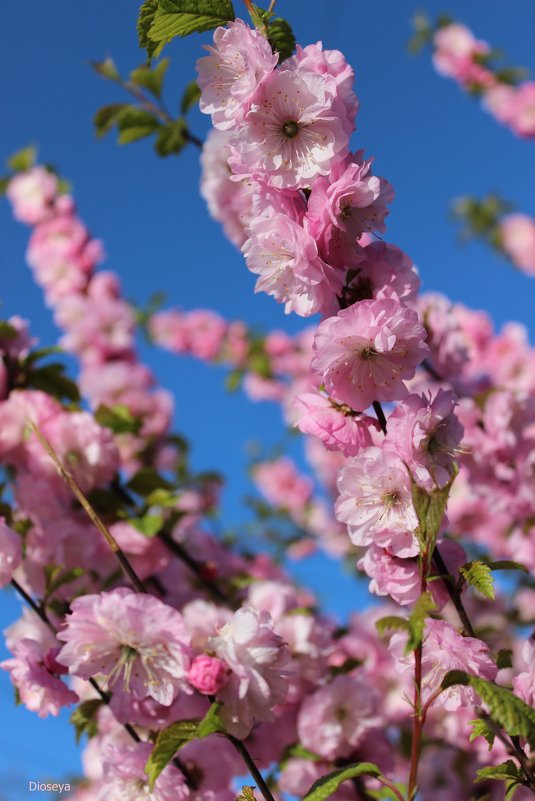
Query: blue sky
point(430, 140)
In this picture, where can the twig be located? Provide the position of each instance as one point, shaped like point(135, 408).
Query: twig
point(378, 409)
point(253, 770)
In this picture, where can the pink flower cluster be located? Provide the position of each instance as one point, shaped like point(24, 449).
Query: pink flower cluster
point(517, 239)
point(459, 55)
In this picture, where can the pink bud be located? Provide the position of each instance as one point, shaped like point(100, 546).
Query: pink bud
point(208, 674)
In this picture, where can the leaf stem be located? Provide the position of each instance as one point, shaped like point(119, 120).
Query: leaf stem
point(253, 770)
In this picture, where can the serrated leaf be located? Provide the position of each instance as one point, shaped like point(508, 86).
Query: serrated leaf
point(147, 480)
point(149, 525)
point(106, 69)
point(504, 771)
point(83, 718)
point(281, 38)
point(51, 379)
point(135, 123)
point(480, 728)
point(171, 138)
point(453, 677)
point(171, 739)
point(118, 418)
point(392, 623)
point(190, 97)
point(479, 576)
point(146, 15)
point(150, 78)
point(23, 159)
point(504, 658)
point(418, 616)
point(507, 564)
point(326, 786)
point(430, 508)
point(184, 17)
point(247, 794)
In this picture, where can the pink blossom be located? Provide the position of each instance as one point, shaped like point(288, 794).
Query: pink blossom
point(523, 117)
point(338, 426)
point(31, 195)
point(365, 351)
point(336, 718)
point(456, 55)
point(39, 687)
point(292, 134)
point(382, 271)
point(230, 77)
point(280, 483)
point(131, 636)
point(332, 63)
point(87, 449)
point(124, 777)
point(390, 575)
point(345, 204)
point(524, 682)
point(426, 434)
point(96, 330)
point(10, 552)
point(257, 659)
point(207, 674)
point(444, 650)
point(285, 257)
point(375, 501)
point(517, 238)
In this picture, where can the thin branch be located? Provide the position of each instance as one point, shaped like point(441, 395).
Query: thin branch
point(378, 409)
point(253, 770)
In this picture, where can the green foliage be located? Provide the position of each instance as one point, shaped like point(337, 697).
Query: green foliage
point(171, 138)
point(505, 708)
point(481, 728)
point(190, 97)
point(281, 38)
point(392, 623)
point(329, 784)
point(508, 564)
point(107, 69)
point(171, 739)
point(150, 78)
point(135, 123)
point(7, 331)
point(247, 793)
point(182, 17)
point(506, 770)
point(23, 159)
point(430, 508)
point(118, 418)
point(423, 606)
point(504, 658)
point(84, 718)
point(147, 12)
point(146, 481)
point(423, 33)
point(56, 577)
point(52, 379)
point(149, 524)
point(479, 576)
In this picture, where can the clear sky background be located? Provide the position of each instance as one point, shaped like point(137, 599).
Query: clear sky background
point(429, 139)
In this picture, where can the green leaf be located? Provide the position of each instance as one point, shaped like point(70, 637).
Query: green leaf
point(118, 418)
point(83, 718)
point(329, 784)
point(135, 123)
point(430, 508)
point(55, 578)
point(23, 159)
point(508, 564)
point(51, 379)
point(247, 793)
point(392, 623)
point(41, 353)
point(147, 12)
point(190, 97)
point(234, 380)
point(7, 331)
point(149, 525)
point(146, 481)
point(107, 69)
point(504, 658)
point(422, 607)
point(479, 575)
point(504, 771)
point(481, 728)
point(4, 183)
point(183, 17)
point(171, 739)
point(171, 138)
point(151, 79)
point(281, 38)
point(107, 116)
point(505, 708)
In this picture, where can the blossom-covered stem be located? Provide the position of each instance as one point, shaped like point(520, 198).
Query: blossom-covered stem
point(41, 613)
point(378, 409)
point(253, 770)
point(419, 712)
point(453, 593)
point(117, 551)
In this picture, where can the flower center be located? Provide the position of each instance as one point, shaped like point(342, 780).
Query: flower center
point(290, 129)
point(392, 498)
